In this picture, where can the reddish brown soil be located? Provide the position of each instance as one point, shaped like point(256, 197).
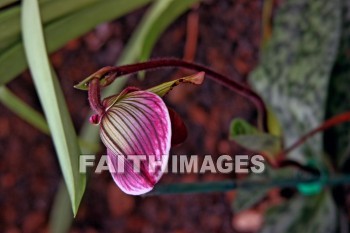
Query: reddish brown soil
point(229, 38)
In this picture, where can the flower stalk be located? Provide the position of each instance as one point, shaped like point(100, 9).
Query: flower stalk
point(107, 75)
point(95, 97)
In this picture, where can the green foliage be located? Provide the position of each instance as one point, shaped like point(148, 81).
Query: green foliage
point(296, 75)
point(53, 102)
point(155, 21)
point(61, 216)
point(295, 68)
point(250, 138)
point(24, 111)
point(63, 20)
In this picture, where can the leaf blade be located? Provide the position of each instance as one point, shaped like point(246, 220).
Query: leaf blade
point(153, 24)
point(52, 99)
point(250, 138)
point(295, 67)
point(16, 105)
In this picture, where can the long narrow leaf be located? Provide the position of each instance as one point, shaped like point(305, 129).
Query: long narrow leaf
point(36, 119)
point(52, 99)
point(156, 20)
point(16, 105)
point(61, 216)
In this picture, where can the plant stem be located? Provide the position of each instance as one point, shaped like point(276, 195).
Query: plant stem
point(338, 119)
point(229, 185)
point(95, 96)
point(111, 73)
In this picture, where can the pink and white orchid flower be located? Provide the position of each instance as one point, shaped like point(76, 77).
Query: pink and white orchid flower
point(138, 123)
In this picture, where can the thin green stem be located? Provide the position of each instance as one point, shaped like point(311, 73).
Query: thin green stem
point(229, 185)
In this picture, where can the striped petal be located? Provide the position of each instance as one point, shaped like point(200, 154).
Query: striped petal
point(127, 179)
point(137, 125)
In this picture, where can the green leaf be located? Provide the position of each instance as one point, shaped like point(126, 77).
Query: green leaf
point(337, 139)
point(295, 68)
point(53, 103)
point(306, 214)
point(250, 138)
point(240, 126)
point(23, 110)
point(35, 118)
point(153, 24)
point(61, 215)
point(60, 31)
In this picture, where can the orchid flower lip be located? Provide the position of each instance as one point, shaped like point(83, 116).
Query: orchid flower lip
point(137, 122)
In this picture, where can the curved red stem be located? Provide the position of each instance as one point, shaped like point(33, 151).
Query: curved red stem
point(338, 119)
point(114, 72)
point(95, 96)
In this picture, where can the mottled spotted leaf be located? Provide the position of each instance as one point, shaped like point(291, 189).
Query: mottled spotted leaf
point(295, 68)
